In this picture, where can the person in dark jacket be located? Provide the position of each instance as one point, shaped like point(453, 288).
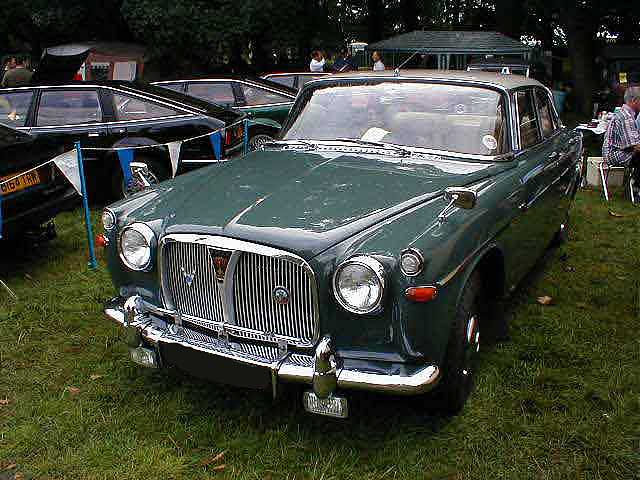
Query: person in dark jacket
point(18, 76)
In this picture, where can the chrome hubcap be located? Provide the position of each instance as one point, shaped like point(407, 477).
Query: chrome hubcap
point(472, 344)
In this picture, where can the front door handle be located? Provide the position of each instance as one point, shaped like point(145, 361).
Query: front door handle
point(120, 130)
point(553, 155)
point(95, 134)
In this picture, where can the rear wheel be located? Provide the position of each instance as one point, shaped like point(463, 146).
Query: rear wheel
point(158, 172)
point(461, 359)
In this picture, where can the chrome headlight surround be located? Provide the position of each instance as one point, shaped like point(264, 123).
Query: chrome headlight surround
point(377, 270)
point(109, 220)
point(149, 238)
point(411, 262)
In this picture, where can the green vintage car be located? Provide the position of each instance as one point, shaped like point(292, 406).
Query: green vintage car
point(366, 249)
point(266, 103)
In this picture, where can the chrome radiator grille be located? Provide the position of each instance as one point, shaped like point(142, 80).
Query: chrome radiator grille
point(258, 293)
point(256, 279)
point(202, 298)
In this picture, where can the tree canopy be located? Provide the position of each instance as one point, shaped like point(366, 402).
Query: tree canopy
point(266, 34)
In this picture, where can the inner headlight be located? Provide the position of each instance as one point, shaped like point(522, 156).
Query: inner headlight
point(108, 220)
point(358, 284)
point(136, 244)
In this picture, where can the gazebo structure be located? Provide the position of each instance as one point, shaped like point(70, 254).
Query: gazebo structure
point(449, 49)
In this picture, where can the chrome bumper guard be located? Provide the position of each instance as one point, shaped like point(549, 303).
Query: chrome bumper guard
point(324, 370)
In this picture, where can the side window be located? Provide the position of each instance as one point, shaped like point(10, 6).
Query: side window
point(545, 113)
point(529, 132)
point(216, 92)
point(69, 107)
point(176, 86)
point(260, 96)
point(14, 107)
point(133, 108)
point(286, 80)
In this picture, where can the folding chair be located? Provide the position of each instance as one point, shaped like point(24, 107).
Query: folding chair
point(628, 181)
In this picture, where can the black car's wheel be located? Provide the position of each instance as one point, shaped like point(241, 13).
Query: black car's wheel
point(258, 140)
point(157, 172)
point(461, 359)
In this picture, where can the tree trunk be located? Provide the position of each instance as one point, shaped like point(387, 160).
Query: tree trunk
point(581, 34)
point(409, 13)
point(375, 20)
point(509, 15)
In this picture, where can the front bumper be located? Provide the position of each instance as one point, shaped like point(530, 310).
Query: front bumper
point(325, 370)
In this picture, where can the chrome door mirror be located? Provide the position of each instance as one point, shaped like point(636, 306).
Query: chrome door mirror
point(461, 197)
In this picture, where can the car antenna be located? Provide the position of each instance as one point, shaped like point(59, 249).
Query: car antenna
point(396, 72)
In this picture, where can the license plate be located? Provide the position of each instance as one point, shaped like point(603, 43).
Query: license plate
point(21, 182)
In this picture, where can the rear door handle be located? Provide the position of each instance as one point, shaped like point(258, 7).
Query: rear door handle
point(553, 155)
point(120, 130)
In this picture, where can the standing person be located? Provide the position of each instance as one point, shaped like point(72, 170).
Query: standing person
point(344, 62)
point(18, 76)
point(317, 61)
point(621, 146)
point(378, 65)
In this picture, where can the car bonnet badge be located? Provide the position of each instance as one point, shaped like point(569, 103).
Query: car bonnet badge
point(220, 260)
point(188, 277)
point(281, 295)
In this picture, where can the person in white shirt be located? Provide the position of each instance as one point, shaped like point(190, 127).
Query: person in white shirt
point(378, 65)
point(317, 62)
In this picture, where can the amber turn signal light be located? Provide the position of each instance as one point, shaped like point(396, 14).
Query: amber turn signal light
point(102, 241)
point(421, 294)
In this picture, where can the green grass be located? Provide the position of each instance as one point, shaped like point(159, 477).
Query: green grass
point(561, 400)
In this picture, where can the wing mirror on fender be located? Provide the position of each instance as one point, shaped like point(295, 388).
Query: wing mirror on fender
point(461, 197)
point(458, 197)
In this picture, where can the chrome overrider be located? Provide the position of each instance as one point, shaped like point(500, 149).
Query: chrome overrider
point(147, 325)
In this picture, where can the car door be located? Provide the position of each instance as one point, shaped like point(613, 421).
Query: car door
point(530, 229)
point(561, 161)
point(263, 102)
point(138, 120)
point(68, 115)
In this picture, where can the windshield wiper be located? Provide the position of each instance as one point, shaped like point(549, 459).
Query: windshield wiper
point(403, 152)
point(291, 145)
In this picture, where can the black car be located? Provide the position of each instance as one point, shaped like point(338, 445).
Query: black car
point(116, 114)
point(30, 197)
point(266, 103)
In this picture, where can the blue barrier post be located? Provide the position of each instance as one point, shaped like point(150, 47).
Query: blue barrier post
point(93, 263)
point(246, 136)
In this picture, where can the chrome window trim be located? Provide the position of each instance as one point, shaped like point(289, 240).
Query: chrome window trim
point(237, 247)
point(175, 105)
point(115, 122)
point(231, 81)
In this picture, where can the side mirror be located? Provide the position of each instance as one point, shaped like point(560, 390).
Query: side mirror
point(461, 197)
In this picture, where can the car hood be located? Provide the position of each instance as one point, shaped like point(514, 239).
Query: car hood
point(302, 202)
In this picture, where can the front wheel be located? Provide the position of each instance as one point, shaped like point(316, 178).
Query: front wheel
point(157, 172)
point(461, 359)
point(258, 140)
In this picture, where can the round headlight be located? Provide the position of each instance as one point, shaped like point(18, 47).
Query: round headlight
point(108, 220)
point(136, 244)
point(411, 262)
point(358, 284)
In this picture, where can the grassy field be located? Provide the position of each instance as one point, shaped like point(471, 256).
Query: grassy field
point(561, 400)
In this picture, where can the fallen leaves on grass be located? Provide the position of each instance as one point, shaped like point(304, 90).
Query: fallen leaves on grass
point(545, 300)
point(7, 465)
point(215, 459)
point(73, 390)
point(4, 402)
point(614, 214)
point(18, 476)
point(95, 376)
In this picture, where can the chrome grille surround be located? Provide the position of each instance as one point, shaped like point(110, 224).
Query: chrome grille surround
point(211, 303)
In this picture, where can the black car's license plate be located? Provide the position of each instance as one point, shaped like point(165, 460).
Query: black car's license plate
point(215, 368)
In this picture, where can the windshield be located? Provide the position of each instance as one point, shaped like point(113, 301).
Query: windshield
point(452, 118)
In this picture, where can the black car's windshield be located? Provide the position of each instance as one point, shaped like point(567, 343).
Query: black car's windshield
point(453, 118)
